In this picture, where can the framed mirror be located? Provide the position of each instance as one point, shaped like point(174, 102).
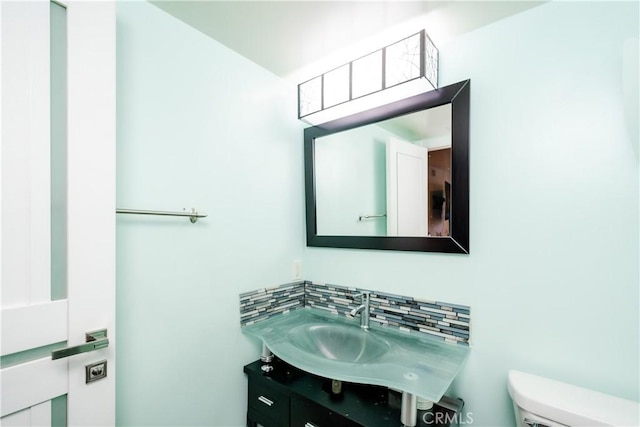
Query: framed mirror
point(395, 177)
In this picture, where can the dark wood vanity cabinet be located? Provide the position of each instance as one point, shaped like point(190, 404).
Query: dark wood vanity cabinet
point(289, 397)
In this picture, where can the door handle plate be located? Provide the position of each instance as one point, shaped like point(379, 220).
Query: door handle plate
point(94, 341)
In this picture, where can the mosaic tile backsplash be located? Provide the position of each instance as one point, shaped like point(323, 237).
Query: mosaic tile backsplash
point(263, 303)
point(448, 322)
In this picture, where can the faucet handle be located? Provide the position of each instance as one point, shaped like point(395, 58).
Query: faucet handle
point(361, 294)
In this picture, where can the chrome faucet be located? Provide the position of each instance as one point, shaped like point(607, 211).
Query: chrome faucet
point(363, 309)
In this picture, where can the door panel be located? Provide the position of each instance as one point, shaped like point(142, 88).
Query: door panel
point(38, 415)
point(407, 202)
point(46, 323)
point(31, 383)
point(25, 153)
point(58, 90)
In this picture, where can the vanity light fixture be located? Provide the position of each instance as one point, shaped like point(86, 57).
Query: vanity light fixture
point(402, 69)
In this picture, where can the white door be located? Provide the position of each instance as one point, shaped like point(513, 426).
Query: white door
point(57, 219)
point(407, 201)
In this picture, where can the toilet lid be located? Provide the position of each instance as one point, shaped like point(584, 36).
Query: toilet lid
point(569, 404)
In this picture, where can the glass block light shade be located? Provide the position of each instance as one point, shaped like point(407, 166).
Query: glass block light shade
point(366, 74)
point(336, 86)
point(430, 62)
point(403, 60)
point(310, 96)
point(413, 59)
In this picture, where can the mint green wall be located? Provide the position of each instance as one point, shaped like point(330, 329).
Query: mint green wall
point(350, 167)
point(198, 126)
point(552, 278)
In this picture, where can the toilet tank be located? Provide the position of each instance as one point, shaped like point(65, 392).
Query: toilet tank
point(553, 403)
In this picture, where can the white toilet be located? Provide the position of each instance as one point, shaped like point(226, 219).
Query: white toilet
point(543, 402)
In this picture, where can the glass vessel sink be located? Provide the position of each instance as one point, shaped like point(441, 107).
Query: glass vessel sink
point(336, 347)
point(342, 343)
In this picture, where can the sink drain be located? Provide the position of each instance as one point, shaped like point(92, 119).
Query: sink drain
point(410, 376)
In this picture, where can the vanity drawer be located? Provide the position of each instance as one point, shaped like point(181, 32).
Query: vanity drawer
point(259, 419)
point(305, 413)
point(267, 399)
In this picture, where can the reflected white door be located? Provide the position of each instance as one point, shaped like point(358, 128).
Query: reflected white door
point(58, 209)
point(407, 201)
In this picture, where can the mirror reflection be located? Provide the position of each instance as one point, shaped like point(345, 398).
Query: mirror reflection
point(390, 178)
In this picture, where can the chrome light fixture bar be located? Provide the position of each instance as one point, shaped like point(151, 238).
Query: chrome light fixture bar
point(404, 68)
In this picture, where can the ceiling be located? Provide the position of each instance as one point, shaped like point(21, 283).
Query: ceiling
point(290, 37)
point(421, 125)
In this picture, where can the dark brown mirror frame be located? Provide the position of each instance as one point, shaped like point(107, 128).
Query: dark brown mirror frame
point(457, 95)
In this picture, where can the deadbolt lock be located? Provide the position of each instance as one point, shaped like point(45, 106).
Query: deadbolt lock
point(95, 371)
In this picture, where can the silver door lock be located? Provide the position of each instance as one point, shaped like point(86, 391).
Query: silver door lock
point(95, 371)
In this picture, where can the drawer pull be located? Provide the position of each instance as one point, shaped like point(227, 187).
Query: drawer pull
point(266, 401)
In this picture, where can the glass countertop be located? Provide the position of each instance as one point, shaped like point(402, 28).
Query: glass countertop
point(336, 347)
